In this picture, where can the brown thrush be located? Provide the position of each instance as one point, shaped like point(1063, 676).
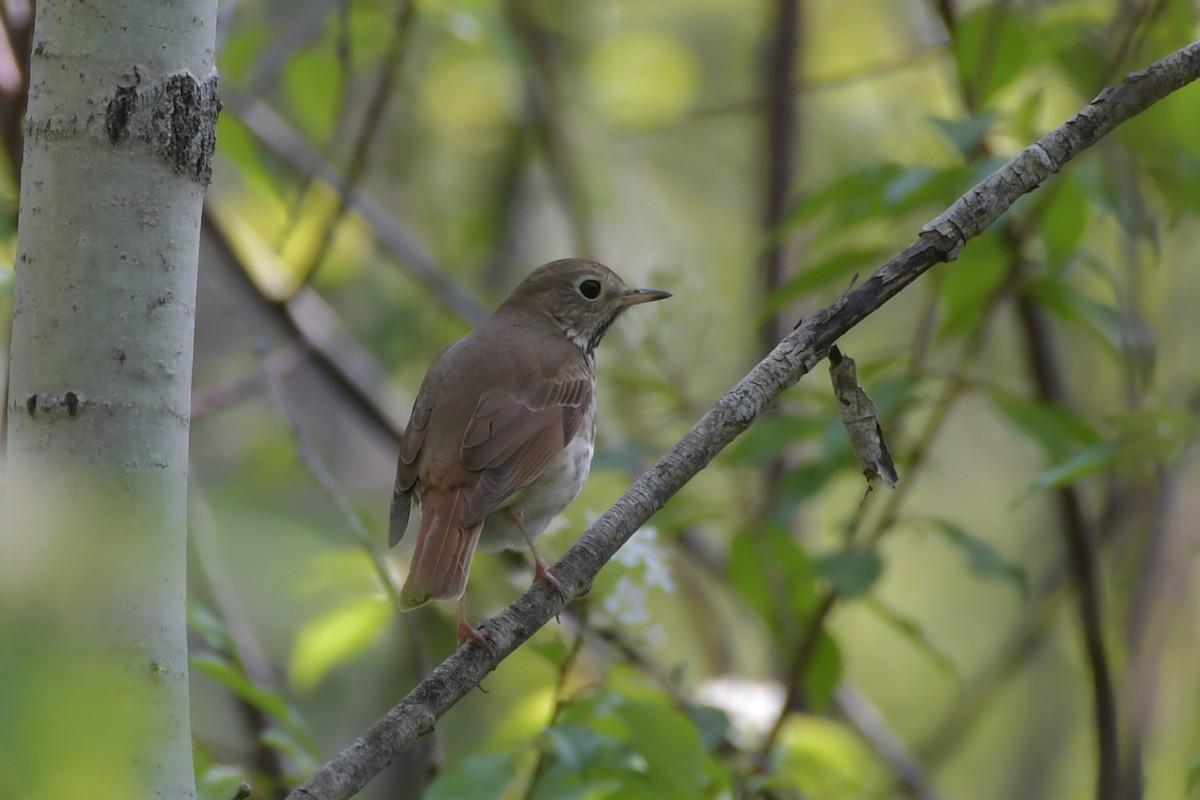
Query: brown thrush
point(501, 435)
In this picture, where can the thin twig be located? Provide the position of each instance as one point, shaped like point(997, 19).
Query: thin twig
point(331, 362)
point(285, 42)
point(544, 102)
point(911, 778)
point(313, 461)
point(278, 137)
point(560, 696)
point(406, 16)
point(284, 361)
point(836, 80)
point(326, 479)
point(248, 652)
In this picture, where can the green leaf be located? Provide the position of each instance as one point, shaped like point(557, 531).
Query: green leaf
point(553, 649)
point(312, 81)
point(328, 640)
point(1065, 218)
point(981, 556)
point(822, 759)
point(851, 198)
point(670, 745)
point(774, 576)
point(1157, 434)
point(1088, 461)
point(580, 748)
point(877, 190)
point(852, 572)
point(243, 50)
point(968, 286)
point(211, 628)
point(220, 782)
point(1193, 775)
point(915, 634)
point(474, 778)
point(301, 750)
point(713, 725)
point(1054, 428)
point(615, 746)
point(1125, 335)
point(824, 672)
point(989, 47)
point(966, 134)
point(770, 435)
point(1075, 49)
point(264, 699)
point(838, 264)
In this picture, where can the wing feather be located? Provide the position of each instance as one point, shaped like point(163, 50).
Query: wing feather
point(407, 468)
point(514, 435)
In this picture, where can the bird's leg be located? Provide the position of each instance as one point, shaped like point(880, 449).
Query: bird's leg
point(540, 568)
point(468, 633)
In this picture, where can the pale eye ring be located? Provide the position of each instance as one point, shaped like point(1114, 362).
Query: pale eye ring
point(589, 288)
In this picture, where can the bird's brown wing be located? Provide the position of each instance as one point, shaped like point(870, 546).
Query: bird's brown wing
point(407, 467)
point(514, 434)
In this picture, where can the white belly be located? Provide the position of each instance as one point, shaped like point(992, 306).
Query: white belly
point(545, 498)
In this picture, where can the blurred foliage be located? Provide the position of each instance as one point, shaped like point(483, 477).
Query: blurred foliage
point(1054, 356)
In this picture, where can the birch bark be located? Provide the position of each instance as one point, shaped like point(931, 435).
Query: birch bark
point(119, 140)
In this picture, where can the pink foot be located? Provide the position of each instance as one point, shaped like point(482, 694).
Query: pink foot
point(467, 633)
point(542, 572)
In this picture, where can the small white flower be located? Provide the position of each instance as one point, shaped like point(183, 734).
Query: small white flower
point(656, 636)
point(627, 602)
point(646, 569)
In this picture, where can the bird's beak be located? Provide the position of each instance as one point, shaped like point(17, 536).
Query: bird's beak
point(643, 296)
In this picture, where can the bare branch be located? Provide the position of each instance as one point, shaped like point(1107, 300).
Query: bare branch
point(548, 124)
point(406, 16)
point(275, 134)
point(295, 318)
point(911, 778)
point(941, 240)
point(1079, 540)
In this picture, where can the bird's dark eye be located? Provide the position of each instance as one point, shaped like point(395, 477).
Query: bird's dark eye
point(589, 288)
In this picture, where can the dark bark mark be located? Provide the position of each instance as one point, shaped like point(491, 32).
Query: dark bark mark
point(176, 117)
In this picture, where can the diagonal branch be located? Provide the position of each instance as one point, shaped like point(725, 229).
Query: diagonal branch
point(940, 240)
point(277, 136)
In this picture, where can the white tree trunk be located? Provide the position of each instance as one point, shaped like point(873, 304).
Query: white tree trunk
point(119, 139)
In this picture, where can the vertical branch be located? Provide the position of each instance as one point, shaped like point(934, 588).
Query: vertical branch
point(781, 130)
point(1078, 537)
point(781, 127)
point(544, 100)
point(1080, 542)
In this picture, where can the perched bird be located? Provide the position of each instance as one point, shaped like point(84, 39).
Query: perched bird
point(501, 435)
